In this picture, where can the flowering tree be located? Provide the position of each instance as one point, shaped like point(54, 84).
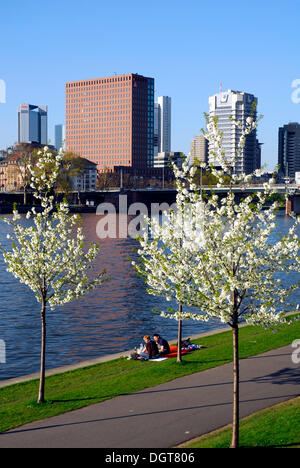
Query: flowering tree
point(236, 264)
point(27, 156)
point(50, 256)
point(163, 260)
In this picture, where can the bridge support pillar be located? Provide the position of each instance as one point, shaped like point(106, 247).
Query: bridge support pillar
point(288, 206)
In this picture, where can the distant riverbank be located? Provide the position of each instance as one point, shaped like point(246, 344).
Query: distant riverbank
point(7, 208)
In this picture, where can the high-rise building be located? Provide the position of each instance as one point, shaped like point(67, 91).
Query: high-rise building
point(59, 135)
point(289, 149)
point(165, 123)
point(157, 125)
point(199, 149)
point(239, 106)
point(258, 154)
point(32, 124)
point(110, 120)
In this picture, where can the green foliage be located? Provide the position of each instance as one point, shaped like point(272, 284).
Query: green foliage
point(206, 178)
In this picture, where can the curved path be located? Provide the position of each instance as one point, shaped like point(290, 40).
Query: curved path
point(168, 414)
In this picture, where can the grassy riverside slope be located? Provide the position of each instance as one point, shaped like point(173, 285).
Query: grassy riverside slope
point(274, 427)
point(78, 388)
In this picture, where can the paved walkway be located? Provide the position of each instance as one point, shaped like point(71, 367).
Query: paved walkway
point(168, 414)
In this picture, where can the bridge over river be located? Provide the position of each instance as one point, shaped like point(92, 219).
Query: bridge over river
point(88, 201)
point(158, 195)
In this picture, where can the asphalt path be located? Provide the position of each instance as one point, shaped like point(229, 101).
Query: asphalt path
point(168, 414)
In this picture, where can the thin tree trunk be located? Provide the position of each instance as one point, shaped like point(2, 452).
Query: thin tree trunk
point(179, 359)
point(41, 397)
point(236, 381)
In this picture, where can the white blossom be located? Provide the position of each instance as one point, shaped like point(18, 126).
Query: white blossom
point(223, 259)
point(50, 256)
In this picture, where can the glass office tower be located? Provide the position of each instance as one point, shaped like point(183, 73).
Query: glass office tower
point(59, 135)
point(165, 123)
point(289, 149)
point(32, 124)
point(162, 125)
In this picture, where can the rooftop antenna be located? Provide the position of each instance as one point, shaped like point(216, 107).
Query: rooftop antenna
point(220, 88)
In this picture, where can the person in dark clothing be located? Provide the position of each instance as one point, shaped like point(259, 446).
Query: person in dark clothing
point(150, 350)
point(162, 344)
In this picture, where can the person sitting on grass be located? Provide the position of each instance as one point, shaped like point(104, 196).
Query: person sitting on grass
point(150, 350)
point(162, 344)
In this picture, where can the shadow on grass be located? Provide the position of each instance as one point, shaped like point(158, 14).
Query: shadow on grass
point(204, 362)
point(293, 444)
point(69, 400)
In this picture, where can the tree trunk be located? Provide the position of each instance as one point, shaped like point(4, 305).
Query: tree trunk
point(179, 359)
point(41, 397)
point(24, 196)
point(236, 382)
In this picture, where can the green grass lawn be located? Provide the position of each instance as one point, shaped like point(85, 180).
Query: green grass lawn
point(82, 387)
point(275, 427)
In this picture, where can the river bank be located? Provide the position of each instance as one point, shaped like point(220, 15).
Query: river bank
point(93, 362)
point(92, 384)
point(7, 208)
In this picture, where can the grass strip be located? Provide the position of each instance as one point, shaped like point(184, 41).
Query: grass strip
point(82, 387)
point(275, 427)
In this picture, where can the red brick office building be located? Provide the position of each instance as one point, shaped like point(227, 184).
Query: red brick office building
point(110, 121)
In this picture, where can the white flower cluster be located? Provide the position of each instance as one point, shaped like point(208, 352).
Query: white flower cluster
point(219, 256)
point(50, 256)
point(215, 138)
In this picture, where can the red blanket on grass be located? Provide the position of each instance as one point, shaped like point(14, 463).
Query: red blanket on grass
point(173, 352)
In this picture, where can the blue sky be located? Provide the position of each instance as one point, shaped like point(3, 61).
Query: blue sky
point(189, 47)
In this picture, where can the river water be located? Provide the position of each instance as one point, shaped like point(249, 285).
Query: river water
point(112, 318)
